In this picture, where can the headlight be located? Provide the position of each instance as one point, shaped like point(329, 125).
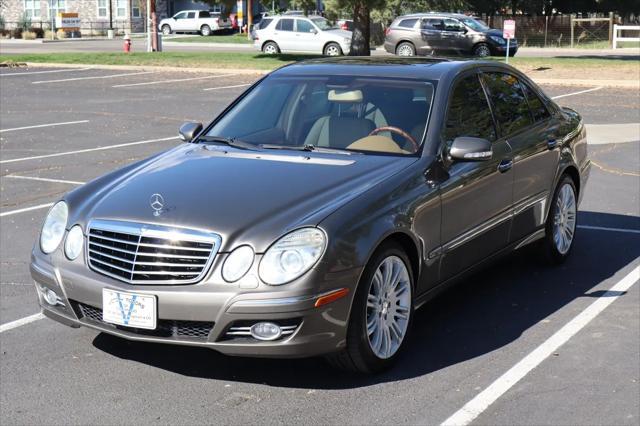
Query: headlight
point(53, 228)
point(237, 264)
point(292, 255)
point(497, 39)
point(73, 243)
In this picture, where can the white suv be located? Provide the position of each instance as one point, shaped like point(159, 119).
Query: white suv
point(308, 34)
point(192, 21)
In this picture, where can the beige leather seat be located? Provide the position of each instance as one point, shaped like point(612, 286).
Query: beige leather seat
point(338, 132)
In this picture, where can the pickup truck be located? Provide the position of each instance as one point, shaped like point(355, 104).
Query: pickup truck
point(194, 21)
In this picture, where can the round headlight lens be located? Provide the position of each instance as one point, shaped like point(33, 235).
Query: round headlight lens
point(292, 255)
point(237, 263)
point(54, 227)
point(73, 243)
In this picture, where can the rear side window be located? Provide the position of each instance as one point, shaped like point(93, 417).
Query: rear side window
point(285, 25)
point(538, 109)
point(205, 14)
point(191, 15)
point(407, 23)
point(509, 103)
point(264, 23)
point(468, 113)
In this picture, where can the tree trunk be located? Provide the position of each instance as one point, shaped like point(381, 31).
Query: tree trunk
point(361, 30)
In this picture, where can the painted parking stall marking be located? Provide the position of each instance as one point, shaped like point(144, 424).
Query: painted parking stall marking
point(228, 87)
point(15, 74)
point(38, 126)
point(20, 322)
point(40, 179)
point(26, 209)
point(484, 399)
point(93, 77)
point(174, 80)
point(577, 93)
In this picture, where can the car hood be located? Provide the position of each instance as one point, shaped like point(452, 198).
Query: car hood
point(498, 33)
point(337, 32)
point(247, 197)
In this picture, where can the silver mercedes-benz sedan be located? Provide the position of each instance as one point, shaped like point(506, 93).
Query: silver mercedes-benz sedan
point(318, 211)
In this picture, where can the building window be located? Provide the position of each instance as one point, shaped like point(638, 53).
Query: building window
point(57, 6)
point(102, 8)
point(121, 8)
point(216, 8)
point(135, 8)
point(32, 8)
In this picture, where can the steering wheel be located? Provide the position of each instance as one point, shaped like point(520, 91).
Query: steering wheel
point(398, 131)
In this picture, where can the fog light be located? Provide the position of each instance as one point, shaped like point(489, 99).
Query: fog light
point(50, 296)
point(265, 331)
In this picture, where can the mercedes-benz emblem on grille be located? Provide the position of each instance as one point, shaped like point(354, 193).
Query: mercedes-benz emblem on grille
point(157, 203)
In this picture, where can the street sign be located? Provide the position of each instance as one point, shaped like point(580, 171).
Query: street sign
point(68, 21)
point(509, 29)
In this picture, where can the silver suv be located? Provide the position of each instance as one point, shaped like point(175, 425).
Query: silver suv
point(444, 33)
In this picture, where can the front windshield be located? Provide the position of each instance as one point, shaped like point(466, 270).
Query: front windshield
point(341, 112)
point(475, 24)
point(322, 23)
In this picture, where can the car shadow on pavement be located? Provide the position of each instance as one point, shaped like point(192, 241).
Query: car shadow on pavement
point(485, 312)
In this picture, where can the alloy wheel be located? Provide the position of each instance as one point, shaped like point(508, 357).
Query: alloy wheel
point(332, 50)
point(388, 307)
point(564, 219)
point(166, 30)
point(270, 49)
point(483, 51)
point(405, 50)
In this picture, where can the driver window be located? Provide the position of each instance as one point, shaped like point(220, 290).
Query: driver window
point(452, 25)
point(303, 26)
point(180, 15)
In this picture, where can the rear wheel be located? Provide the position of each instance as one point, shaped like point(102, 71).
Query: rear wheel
point(561, 222)
point(406, 49)
point(270, 48)
point(482, 50)
point(166, 30)
point(205, 30)
point(381, 314)
point(332, 49)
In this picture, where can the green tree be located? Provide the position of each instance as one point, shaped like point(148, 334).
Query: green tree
point(360, 11)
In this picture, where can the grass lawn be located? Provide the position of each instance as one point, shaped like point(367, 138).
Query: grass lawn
point(585, 67)
point(215, 38)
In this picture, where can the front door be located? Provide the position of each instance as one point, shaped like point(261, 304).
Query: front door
point(307, 38)
point(453, 36)
point(476, 196)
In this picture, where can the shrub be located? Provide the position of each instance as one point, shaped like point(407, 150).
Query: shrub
point(29, 35)
point(39, 31)
point(49, 35)
point(16, 33)
point(2, 23)
point(60, 34)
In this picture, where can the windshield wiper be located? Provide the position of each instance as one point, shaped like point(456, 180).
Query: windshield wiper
point(236, 143)
point(308, 147)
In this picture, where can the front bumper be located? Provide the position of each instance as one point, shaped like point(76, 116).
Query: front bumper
point(500, 50)
point(202, 314)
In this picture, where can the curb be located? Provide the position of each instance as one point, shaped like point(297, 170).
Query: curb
point(210, 45)
point(614, 84)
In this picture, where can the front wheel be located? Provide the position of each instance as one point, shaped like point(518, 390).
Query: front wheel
point(166, 30)
point(205, 30)
point(381, 314)
point(405, 49)
point(270, 48)
point(482, 50)
point(560, 228)
point(332, 49)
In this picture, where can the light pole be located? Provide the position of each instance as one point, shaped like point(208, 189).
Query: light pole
point(149, 45)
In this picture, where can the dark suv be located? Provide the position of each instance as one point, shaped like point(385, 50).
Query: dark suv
point(444, 33)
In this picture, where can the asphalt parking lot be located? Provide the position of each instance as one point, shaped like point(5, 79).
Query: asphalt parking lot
point(60, 128)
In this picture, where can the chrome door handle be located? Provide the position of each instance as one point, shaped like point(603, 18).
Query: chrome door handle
point(505, 165)
point(552, 143)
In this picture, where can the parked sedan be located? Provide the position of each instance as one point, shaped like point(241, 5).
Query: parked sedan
point(445, 33)
point(318, 211)
point(300, 34)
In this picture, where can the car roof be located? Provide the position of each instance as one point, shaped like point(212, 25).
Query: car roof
point(443, 14)
point(419, 68)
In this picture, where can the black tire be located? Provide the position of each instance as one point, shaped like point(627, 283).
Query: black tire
point(548, 246)
point(358, 356)
point(166, 29)
point(205, 30)
point(405, 49)
point(481, 50)
point(270, 48)
point(332, 49)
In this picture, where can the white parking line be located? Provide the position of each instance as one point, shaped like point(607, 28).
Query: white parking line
point(80, 151)
point(604, 228)
point(94, 77)
point(43, 72)
point(43, 125)
point(21, 321)
point(228, 87)
point(26, 209)
point(70, 182)
point(175, 80)
point(577, 93)
point(484, 399)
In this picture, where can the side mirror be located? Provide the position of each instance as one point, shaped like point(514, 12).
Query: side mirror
point(313, 31)
point(467, 148)
point(189, 130)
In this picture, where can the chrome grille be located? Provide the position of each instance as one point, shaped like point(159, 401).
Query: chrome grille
point(149, 254)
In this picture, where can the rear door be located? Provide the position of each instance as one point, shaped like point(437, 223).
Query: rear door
point(284, 34)
point(476, 195)
point(530, 129)
point(430, 35)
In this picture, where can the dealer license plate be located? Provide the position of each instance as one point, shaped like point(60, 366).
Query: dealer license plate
point(129, 309)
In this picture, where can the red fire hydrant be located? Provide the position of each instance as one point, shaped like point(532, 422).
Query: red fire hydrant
point(127, 44)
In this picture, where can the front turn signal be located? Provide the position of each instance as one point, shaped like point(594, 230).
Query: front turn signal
point(331, 297)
